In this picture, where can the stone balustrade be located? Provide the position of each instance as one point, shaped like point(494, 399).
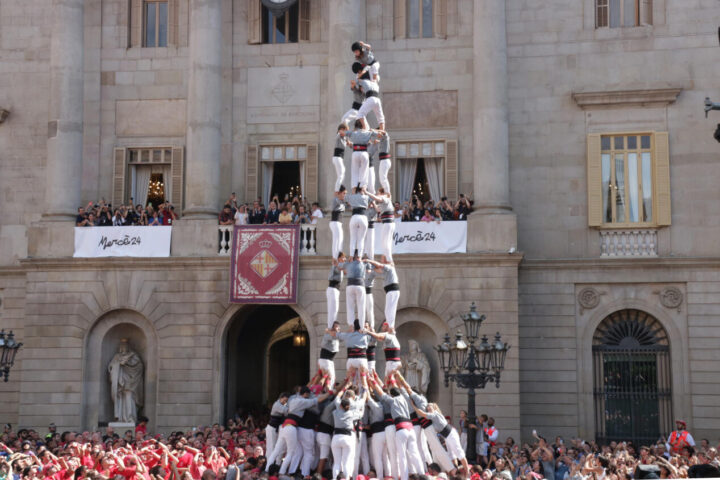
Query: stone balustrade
point(628, 243)
point(308, 239)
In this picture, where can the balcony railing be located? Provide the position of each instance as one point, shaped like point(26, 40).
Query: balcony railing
point(308, 239)
point(628, 243)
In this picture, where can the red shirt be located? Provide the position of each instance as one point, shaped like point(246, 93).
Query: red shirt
point(142, 427)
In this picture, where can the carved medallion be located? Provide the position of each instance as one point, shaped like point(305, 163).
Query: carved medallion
point(671, 297)
point(588, 298)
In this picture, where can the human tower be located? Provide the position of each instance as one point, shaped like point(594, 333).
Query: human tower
point(363, 424)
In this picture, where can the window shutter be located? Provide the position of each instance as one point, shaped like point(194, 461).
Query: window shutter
point(251, 170)
point(399, 19)
point(662, 179)
point(119, 169)
point(254, 15)
point(136, 23)
point(646, 14)
point(311, 173)
point(451, 169)
point(594, 179)
point(177, 174)
point(440, 18)
point(304, 20)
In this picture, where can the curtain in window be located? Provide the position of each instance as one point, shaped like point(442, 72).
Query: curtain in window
point(615, 10)
point(301, 167)
point(606, 189)
point(167, 182)
point(633, 183)
point(620, 188)
point(433, 172)
point(267, 175)
point(406, 173)
point(142, 183)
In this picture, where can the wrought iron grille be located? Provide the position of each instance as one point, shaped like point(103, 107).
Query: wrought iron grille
point(632, 379)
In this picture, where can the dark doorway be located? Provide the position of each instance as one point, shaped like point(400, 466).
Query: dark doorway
point(420, 186)
point(286, 180)
point(261, 360)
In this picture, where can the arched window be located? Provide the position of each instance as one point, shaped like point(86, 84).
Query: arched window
point(632, 382)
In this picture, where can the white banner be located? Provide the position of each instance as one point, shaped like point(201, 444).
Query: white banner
point(91, 242)
point(426, 237)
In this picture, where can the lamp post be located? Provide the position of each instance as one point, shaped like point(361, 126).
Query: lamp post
point(8, 349)
point(470, 366)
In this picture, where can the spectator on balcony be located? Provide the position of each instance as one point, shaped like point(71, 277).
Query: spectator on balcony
point(104, 219)
point(226, 216)
point(81, 219)
point(462, 208)
point(438, 215)
point(316, 213)
point(143, 218)
point(446, 208)
point(285, 217)
point(155, 220)
point(427, 216)
point(398, 211)
point(406, 214)
point(241, 216)
point(302, 216)
point(257, 216)
point(416, 209)
point(120, 217)
point(88, 221)
point(272, 217)
point(167, 211)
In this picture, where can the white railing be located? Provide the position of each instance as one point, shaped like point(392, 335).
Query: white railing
point(308, 239)
point(628, 243)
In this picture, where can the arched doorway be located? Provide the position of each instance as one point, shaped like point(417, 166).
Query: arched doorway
point(261, 359)
point(632, 378)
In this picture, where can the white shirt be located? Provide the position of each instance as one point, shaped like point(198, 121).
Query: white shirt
point(241, 218)
point(317, 213)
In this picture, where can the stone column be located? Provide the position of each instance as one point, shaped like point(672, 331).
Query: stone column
point(63, 171)
point(202, 166)
point(347, 25)
point(491, 177)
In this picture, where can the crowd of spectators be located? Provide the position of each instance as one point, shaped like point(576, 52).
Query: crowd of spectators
point(430, 211)
point(290, 211)
point(235, 451)
point(103, 214)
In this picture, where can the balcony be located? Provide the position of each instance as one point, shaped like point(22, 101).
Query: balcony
point(628, 243)
point(308, 239)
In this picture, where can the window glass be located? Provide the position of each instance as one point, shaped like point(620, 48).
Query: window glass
point(606, 188)
point(156, 156)
point(280, 29)
point(615, 13)
point(414, 149)
point(413, 18)
point(401, 150)
point(645, 141)
point(278, 153)
point(633, 185)
point(162, 24)
point(605, 143)
point(427, 18)
point(632, 143)
point(629, 13)
point(439, 148)
point(620, 188)
point(265, 155)
point(427, 149)
point(150, 24)
point(290, 153)
point(619, 143)
point(302, 153)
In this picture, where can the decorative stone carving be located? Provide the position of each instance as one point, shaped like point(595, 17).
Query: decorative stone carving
point(416, 368)
point(671, 297)
point(589, 298)
point(126, 382)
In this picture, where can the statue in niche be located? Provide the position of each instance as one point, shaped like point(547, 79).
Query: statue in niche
point(126, 383)
point(417, 368)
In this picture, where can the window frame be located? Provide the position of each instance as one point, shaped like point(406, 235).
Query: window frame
point(640, 13)
point(626, 151)
point(121, 171)
point(397, 158)
point(157, 3)
point(421, 19)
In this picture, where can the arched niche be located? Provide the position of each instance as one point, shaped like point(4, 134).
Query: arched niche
point(101, 344)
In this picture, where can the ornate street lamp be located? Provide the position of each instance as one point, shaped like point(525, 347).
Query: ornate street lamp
point(8, 349)
point(299, 334)
point(472, 367)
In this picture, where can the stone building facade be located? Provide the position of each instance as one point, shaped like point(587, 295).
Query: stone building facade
point(576, 126)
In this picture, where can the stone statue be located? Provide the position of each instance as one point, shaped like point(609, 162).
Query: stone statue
point(126, 382)
point(417, 368)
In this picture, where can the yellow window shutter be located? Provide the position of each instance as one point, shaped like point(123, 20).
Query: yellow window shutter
point(177, 173)
point(399, 19)
point(119, 169)
point(136, 23)
point(304, 20)
point(440, 18)
point(662, 179)
point(254, 15)
point(594, 179)
point(451, 169)
point(251, 170)
point(646, 13)
point(311, 173)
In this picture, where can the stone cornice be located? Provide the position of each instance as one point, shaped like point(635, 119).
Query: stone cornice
point(626, 98)
point(622, 263)
point(175, 263)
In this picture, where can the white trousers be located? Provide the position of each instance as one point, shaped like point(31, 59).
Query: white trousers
point(270, 439)
point(438, 452)
point(324, 440)
point(297, 456)
point(379, 455)
point(358, 364)
point(343, 449)
point(328, 366)
point(452, 442)
point(369, 309)
point(383, 170)
point(391, 452)
point(358, 228)
point(337, 238)
point(463, 440)
point(287, 438)
point(391, 366)
point(372, 104)
point(387, 230)
point(422, 445)
point(306, 437)
point(349, 117)
point(340, 172)
point(333, 304)
point(361, 455)
point(359, 169)
point(371, 179)
point(407, 453)
point(370, 241)
point(355, 300)
point(391, 302)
